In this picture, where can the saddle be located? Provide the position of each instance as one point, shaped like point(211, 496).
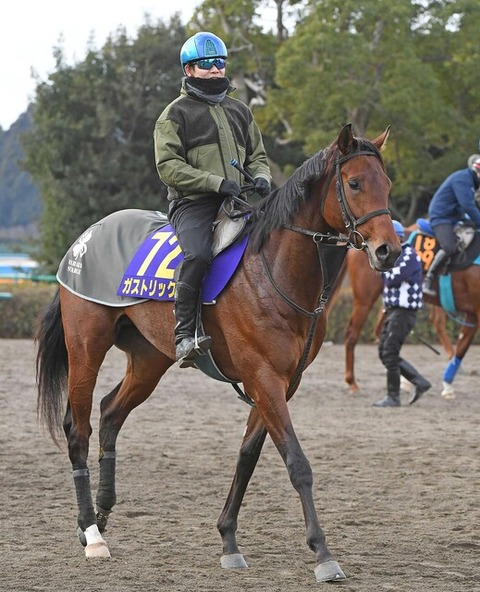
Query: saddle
point(426, 245)
point(230, 223)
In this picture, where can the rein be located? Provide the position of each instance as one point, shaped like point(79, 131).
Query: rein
point(331, 258)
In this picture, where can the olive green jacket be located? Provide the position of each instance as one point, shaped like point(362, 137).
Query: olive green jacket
point(195, 141)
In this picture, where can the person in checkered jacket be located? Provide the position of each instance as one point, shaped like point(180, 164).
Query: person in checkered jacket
point(402, 298)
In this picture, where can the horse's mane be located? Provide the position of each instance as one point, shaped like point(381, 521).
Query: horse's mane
point(277, 209)
point(281, 204)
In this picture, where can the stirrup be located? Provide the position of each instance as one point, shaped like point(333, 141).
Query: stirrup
point(189, 348)
point(428, 289)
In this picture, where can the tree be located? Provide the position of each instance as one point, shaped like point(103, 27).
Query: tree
point(375, 63)
point(91, 148)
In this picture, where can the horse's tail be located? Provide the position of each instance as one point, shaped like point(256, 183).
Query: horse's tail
point(51, 367)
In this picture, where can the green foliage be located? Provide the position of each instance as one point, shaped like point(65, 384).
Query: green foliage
point(91, 149)
point(18, 314)
point(384, 62)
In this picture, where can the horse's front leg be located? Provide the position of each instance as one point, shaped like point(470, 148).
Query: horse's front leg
point(274, 413)
point(250, 449)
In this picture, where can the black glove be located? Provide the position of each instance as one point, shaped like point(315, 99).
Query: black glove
point(229, 188)
point(262, 186)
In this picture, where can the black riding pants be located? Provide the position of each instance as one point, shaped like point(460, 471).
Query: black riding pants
point(192, 221)
point(397, 325)
point(446, 237)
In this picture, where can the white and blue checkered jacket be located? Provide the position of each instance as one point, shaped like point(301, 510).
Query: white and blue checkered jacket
point(402, 285)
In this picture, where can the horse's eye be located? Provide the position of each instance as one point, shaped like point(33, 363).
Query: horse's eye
point(354, 184)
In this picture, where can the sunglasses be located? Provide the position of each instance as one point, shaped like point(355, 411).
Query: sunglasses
point(208, 63)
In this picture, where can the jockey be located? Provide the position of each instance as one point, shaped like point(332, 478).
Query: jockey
point(453, 200)
point(195, 139)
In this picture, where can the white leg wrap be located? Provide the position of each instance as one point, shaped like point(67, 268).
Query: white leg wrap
point(448, 391)
point(96, 546)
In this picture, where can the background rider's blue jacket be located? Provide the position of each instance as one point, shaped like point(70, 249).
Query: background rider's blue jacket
point(454, 198)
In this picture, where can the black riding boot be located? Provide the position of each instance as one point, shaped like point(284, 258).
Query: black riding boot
point(437, 262)
point(420, 383)
point(187, 344)
point(392, 398)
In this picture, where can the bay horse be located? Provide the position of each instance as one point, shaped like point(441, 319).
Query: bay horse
point(267, 327)
point(463, 288)
point(366, 285)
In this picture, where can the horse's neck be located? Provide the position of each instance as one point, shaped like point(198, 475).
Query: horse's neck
point(295, 266)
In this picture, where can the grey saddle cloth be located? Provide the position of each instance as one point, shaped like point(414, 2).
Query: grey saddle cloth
point(94, 265)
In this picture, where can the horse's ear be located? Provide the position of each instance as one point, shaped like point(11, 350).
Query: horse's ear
point(381, 141)
point(346, 141)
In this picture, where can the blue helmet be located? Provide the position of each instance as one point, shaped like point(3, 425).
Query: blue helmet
point(399, 229)
point(202, 45)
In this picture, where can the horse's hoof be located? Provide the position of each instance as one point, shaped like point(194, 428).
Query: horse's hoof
point(352, 388)
point(234, 560)
point(329, 572)
point(97, 550)
point(448, 392)
point(96, 546)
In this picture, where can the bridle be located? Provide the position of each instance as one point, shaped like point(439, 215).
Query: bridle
point(324, 244)
point(354, 239)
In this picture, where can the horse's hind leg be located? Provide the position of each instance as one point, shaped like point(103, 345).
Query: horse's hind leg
point(250, 449)
point(87, 344)
point(352, 335)
point(438, 318)
point(145, 367)
point(464, 341)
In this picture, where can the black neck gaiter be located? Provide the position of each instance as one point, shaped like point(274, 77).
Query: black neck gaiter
point(212, 90)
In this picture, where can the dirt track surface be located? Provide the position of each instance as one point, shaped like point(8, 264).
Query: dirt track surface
point(397, 490)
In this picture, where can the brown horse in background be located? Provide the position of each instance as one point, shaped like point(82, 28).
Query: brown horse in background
point(366, 285)
point(267, 327)
point(465, 291)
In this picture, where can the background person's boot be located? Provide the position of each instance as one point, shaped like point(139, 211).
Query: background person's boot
point(438, 260)
point(187, 344)
point(420, 383)
point(392, 398)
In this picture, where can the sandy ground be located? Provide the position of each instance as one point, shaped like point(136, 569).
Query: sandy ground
point(397, 490)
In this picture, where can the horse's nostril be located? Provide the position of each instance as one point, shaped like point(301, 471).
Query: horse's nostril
point(382, 252)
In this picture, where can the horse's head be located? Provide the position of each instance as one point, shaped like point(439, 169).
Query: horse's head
point(357, 197)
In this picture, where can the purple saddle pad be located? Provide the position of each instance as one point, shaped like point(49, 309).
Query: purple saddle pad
point(151, 272)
